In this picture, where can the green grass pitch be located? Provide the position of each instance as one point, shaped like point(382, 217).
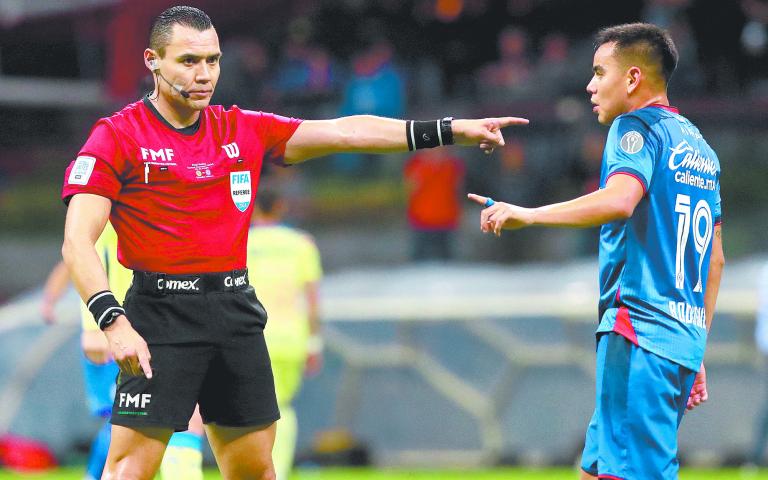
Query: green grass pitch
point(76, 473)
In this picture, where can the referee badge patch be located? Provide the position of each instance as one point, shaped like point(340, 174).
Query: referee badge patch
point(632, 142)
point(240, 188)
point(81, 170)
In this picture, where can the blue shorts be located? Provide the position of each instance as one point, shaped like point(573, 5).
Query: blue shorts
point(100, 386)
point(640, 402)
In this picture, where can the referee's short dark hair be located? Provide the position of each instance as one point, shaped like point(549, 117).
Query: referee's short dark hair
point(645, 40)
point(162, 27)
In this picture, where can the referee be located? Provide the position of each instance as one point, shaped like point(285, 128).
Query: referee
point(177, 178)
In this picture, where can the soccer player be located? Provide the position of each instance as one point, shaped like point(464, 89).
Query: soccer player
point(661, 256)
point(177, 177)
point(284, 268)
point(183, 458)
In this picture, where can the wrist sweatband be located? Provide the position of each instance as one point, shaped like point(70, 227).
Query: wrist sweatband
point(105, 308)
point(428, 134)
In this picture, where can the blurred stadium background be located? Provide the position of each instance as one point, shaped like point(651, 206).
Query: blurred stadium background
point(482, 360)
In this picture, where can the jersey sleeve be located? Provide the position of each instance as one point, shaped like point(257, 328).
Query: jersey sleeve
point(274, 131)
point(718, 213)
point(630, 149)
point(97, 167)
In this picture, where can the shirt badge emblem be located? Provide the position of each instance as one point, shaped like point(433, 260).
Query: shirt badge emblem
point(240, 188)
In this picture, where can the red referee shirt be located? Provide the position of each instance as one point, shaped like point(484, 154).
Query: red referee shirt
point(181, 198)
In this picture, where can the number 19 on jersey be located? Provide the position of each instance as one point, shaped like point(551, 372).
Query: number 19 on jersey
point(702, 235)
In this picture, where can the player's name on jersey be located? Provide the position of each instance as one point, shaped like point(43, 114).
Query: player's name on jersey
point(687, 313)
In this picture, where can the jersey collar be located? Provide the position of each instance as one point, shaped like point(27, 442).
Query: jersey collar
point(666, 107)
point(190, 130)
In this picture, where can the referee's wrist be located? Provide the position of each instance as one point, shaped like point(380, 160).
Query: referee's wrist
point(120, 321)
point(429, 134)
point(105, 308)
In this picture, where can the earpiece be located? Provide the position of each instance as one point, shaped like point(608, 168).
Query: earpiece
point(154, 64)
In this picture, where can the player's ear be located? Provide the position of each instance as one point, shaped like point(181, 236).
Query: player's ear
point(634, 75)
point(151, 59)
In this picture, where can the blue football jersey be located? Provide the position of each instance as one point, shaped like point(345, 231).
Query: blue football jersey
point(654, 265)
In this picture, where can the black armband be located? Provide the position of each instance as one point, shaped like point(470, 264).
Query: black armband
point(429, 134)
point(105, 308)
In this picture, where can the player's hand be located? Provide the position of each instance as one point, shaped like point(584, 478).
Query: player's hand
point(47, 311)
point(699, 393)
point(129, 350)
point(95, 346)
point(501, 215)
point(484, 132)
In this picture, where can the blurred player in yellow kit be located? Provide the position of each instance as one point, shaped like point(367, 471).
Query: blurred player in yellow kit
point(183, 458)
point(284, 268)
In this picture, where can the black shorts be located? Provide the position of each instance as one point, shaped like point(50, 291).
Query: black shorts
point(206, 338)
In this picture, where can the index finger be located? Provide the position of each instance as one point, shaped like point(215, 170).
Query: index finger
point(507, 121)
point(477, 198)
point(144, 362)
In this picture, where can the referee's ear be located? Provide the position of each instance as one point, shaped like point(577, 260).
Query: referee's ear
point(151, 60)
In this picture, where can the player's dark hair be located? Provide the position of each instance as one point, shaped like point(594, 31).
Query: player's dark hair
point(645, 40)
point(162, 28)
point(267, 199)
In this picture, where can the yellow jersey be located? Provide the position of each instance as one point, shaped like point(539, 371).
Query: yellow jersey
point(281, 262)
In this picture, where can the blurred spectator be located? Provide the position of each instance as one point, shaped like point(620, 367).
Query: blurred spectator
point(244, 75)
point(754, 40)
point(554, 64)
point(663, 12)
point(510, 73)
point(761, 340)
point(717, 27)
point(688, 79)
point(375, 87)
point(585, 174)
point(305, 74)
point(586, 170)
point(513, 180)
point(435, 180)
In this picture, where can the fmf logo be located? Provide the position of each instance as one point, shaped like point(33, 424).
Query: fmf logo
point(136, 401)
point(240, 189)
point(231, 149)
point(164, 154)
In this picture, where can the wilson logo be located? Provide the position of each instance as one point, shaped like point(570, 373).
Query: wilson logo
point(232, 150)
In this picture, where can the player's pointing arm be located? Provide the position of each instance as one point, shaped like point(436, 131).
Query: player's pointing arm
point(617, 201)
point(371, 134)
